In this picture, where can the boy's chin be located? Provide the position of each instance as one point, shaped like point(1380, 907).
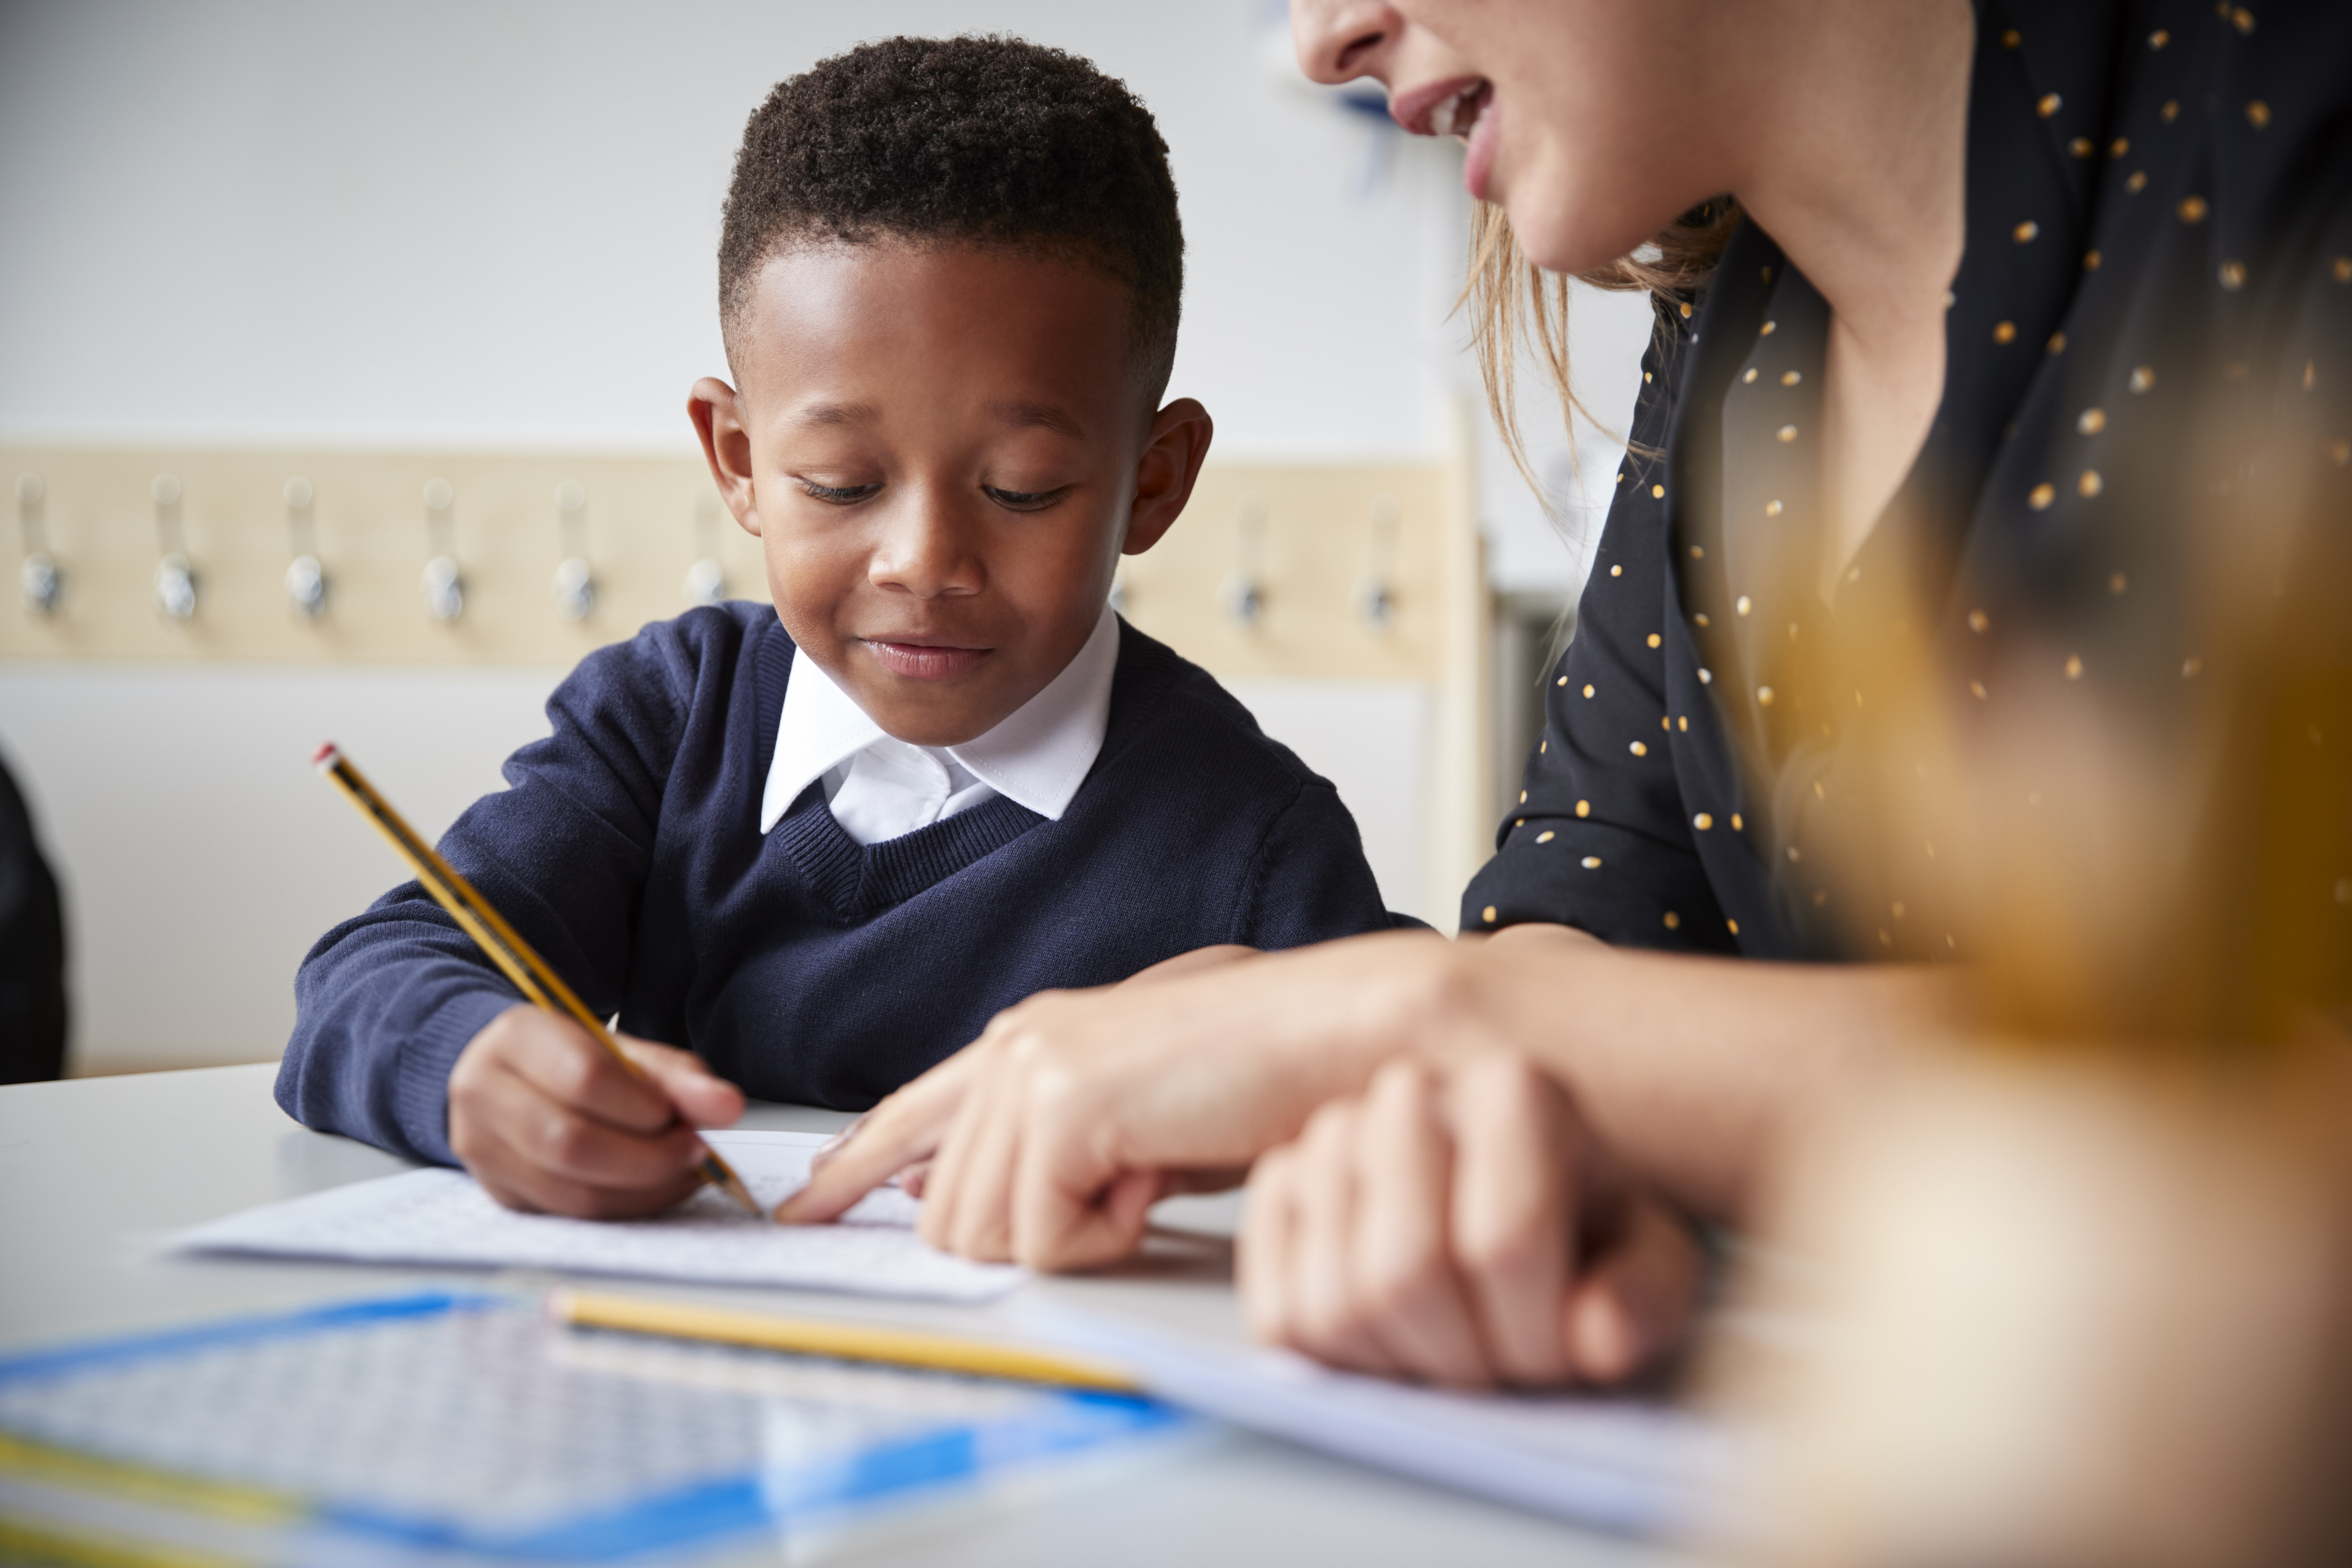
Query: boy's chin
point(931, 718)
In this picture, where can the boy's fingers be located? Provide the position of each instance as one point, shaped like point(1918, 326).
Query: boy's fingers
point(702, 1098)
point(1633, 1302)
point(555, 1138)
point(902, 1129)
point(565, 1062)
point(512, 1174)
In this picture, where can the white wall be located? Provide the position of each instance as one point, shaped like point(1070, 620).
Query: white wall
point(493, 225)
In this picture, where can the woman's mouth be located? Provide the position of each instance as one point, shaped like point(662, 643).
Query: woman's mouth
point(1460, 106)
point(924, 661)
point(1449, 108)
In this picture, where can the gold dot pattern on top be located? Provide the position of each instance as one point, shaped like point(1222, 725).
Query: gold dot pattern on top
point(2084, 447)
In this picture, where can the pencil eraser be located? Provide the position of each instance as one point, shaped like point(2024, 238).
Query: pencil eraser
point(325, 756)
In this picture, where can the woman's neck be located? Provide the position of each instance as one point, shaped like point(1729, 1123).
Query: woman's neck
point(1847, 124)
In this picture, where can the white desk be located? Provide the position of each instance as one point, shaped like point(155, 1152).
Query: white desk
point(88, 1168)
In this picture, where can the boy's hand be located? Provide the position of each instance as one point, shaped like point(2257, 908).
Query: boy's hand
point(546, 1120)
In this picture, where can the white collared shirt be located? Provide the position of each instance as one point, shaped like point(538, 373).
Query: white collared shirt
point(882, 788)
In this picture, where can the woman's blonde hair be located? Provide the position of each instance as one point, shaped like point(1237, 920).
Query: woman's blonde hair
point(1509, 297)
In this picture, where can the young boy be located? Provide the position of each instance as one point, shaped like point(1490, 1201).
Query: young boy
point(818, 847)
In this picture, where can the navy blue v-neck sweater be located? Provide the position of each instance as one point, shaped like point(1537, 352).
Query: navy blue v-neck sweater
point(799, 964)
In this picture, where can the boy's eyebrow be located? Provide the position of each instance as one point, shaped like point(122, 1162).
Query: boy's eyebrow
point(1023, 416)
point(834, 414)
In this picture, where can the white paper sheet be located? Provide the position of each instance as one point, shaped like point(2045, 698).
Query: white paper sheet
point(1634, 1466)
point(442, 1218)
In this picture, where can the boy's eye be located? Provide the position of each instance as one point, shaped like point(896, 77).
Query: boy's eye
point(1023, 500)
point(838, 495)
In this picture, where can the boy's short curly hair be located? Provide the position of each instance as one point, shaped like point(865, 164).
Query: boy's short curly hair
point(978, 140)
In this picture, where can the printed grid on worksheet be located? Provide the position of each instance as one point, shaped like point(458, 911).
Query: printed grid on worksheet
point(476, 1420)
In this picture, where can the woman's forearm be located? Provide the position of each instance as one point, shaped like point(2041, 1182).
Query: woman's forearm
point(1692, 1068)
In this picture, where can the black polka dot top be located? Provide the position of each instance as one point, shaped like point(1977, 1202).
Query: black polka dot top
point(2158, 253)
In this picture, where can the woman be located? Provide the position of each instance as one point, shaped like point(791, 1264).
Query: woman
point(2006, 297)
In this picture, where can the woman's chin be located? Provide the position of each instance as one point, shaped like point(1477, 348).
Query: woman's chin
point(1569, 238)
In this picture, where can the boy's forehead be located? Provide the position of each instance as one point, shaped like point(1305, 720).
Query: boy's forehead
point(871, 308)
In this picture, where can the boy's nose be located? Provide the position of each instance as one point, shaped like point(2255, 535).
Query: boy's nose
point(925, 552)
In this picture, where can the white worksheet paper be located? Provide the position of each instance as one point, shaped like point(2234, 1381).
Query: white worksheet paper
point(442, 1218)
point(1638, 1467)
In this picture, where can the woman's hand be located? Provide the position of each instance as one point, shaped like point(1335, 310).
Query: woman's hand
point(1460, 1225)
point(1052, 1134)
point(546, 1120)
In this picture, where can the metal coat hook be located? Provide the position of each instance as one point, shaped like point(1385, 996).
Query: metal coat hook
point(575, 581)
point(41, 580)
point(306, 580)
point(445, 585)
point(1375, 600)
point(176, 579)
point(706, 580)
point(1245, 595)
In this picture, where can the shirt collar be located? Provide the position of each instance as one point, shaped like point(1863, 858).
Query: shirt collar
point(1037, 756)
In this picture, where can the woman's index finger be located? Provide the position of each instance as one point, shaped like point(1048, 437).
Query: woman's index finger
point(902, 1130)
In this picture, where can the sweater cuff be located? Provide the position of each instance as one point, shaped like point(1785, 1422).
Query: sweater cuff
point(421, 1079)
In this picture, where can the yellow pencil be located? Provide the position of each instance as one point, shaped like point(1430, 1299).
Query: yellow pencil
point(847, 1341)
point(530, 972)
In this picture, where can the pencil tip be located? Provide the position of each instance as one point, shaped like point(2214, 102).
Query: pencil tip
point(325, 756)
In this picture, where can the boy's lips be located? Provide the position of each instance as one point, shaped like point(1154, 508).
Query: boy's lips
point(921, 661)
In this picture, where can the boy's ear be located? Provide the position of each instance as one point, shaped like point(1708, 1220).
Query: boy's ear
point(1173, 453)
point(717, 419)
